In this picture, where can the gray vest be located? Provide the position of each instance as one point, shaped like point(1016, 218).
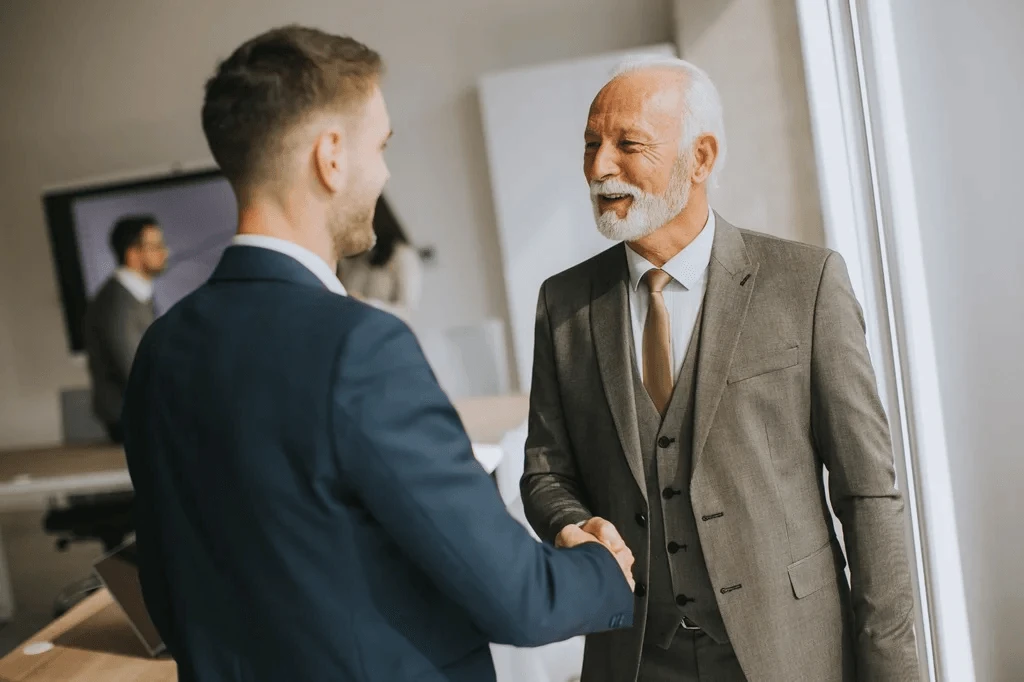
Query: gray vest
point(679, 584)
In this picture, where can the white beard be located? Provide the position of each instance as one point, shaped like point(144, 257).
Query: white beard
point(647, 213)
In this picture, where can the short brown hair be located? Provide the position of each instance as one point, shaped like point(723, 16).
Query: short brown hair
point(127, 233)
point(271, 83)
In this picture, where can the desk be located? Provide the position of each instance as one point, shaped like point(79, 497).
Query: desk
point(34, 478)
point(31, 479)
point(93, 642)
point(487, 419)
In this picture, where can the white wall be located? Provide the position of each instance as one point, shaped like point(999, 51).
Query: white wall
point(962, 65)
point(112, 86)
point(751, 49)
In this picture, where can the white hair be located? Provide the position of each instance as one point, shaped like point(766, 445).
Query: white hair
point(703, 112)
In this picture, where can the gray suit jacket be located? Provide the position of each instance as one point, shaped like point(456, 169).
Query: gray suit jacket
point(784, 386)
point(112, 327)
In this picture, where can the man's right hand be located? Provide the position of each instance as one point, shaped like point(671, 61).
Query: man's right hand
point(604, 532)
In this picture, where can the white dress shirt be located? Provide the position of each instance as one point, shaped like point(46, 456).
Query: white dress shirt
point(310, 260)
point(137, 285)
point(683, 294)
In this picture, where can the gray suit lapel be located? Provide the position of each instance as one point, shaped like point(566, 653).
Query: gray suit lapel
point(731, 280)
point(611, 330)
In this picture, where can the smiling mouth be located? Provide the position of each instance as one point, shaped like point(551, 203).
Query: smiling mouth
point(607, 201)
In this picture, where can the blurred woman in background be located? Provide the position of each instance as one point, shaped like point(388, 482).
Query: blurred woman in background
point(388, 276)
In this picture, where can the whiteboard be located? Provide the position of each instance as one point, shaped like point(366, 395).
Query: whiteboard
point(533, 124)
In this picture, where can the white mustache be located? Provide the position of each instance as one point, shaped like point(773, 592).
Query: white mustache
point(598, 187)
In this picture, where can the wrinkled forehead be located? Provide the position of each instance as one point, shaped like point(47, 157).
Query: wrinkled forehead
point(650, 101)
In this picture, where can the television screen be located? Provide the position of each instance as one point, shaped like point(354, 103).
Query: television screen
point(196, 211)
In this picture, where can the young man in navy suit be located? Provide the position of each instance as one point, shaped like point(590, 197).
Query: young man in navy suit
point(308, 504)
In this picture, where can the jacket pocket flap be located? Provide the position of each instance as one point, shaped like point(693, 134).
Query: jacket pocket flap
point(812, 573)
point(763, 365)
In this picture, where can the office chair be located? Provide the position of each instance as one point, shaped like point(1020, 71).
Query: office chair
point(105, 518)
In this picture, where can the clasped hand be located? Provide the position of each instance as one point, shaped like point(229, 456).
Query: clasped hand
point(604, 532)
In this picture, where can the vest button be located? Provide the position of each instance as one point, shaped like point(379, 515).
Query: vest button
point(683, 600)
point(641, 589)
point(674, 547)
point(641, 519)
point(667, 493)
point(665, 441)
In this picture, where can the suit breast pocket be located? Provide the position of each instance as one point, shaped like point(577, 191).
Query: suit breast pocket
point(765, 364)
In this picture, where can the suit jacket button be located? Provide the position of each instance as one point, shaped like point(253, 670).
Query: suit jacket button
point(641, 519)
point(641, 589)
point(665, 441)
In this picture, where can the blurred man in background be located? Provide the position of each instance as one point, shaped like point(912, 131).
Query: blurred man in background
point(308, 504)
point(120, 313)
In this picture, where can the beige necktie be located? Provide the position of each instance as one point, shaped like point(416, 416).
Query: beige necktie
point(657, 344)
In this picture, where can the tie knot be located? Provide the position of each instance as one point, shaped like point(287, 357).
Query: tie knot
point(657, 280)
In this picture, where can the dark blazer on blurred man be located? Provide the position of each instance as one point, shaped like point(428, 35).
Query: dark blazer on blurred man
point(120, 313)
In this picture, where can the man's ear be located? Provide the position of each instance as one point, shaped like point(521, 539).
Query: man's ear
point(705, 153)
point(131, 256)
point(329, 159)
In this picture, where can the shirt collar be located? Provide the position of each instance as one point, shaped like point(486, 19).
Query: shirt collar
point(137, 285)
point(686, 267)
point(310, 260)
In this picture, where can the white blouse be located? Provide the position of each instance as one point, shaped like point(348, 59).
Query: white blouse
point(395, 286)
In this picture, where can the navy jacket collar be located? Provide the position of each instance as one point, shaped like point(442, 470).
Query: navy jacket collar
point(250, 263)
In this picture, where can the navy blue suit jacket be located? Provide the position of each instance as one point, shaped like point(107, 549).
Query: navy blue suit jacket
point(308, 504)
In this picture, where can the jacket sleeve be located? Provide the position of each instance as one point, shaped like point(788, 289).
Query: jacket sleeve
point(552, 495)
point(852, 436)
point(401, 446)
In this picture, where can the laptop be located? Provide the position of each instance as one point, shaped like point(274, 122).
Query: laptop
point(119, 572)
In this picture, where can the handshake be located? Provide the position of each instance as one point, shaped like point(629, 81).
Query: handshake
point(599, 530)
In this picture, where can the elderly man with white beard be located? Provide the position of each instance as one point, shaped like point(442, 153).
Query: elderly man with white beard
point(690, 385)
